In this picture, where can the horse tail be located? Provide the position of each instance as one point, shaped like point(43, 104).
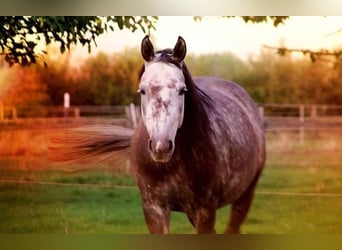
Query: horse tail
point(91, 144)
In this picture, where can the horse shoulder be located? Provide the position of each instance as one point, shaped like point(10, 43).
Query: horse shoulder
point(236, 124)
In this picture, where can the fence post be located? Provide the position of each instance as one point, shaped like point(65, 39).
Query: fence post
point(14, 114)
point(138, 113)
point(66, 106)
point(133, 115)
point(77, 113)
point(301, 113)
point(301, 134)
point(314, 111)
point(301, 120)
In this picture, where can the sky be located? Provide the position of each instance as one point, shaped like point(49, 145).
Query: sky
point(215, 34)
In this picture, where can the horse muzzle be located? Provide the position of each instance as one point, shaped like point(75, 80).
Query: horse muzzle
point(160, 150)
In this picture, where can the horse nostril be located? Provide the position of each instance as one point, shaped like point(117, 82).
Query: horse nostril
point(150, 145)
point(170, 145)
point(160, 147)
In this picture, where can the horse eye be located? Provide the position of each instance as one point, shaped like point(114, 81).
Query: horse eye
point(141, 91)
point(182, 91)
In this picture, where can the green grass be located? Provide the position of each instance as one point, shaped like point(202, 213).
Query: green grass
point(42, 209)
point(26, 208)
point(297, 214)
point(291, 167)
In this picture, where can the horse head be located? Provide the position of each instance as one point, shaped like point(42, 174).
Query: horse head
point(162, 88)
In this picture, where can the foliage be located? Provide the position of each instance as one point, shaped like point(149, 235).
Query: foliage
point(332, 56)
point(225, 65)
point(276, 20)
point(110, 80)
point(270, 79)
point(113, 79)
point(24, 90)
point(290, 80)
point(21, 35)
point(324, 55)
point(100, 80)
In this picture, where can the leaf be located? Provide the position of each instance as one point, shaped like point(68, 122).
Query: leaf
point(66, 30)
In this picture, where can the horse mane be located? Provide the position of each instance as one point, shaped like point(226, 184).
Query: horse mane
point(195, 132)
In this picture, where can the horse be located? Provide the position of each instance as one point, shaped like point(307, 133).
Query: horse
point(198, 146)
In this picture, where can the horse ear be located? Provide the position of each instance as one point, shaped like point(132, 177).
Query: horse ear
point(179, 50)
point(147, 50)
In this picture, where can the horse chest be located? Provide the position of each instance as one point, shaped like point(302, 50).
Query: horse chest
point(180, 191)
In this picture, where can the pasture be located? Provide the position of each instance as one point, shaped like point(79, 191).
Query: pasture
point(300, 190)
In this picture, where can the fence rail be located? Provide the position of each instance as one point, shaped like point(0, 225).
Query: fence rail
point(300, 110)
point(123, 187)
point(274, 115)
point(122, 115)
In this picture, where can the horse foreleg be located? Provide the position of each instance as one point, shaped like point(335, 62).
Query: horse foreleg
point(157, 218)
point(241, 207)
point(204, 220)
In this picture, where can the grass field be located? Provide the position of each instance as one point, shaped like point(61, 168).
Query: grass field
point(312, 165)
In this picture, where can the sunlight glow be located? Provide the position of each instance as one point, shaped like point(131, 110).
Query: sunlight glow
point(216, 34)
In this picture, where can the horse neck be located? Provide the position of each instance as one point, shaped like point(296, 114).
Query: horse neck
point(195, 133)
point(195, 102)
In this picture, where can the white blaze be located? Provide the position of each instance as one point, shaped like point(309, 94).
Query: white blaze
point(162, 105)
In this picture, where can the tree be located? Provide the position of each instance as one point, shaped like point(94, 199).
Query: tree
point(25, 90)
point(276, 20)
point(324, 55)
point(21, 35)
point(332, 56)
